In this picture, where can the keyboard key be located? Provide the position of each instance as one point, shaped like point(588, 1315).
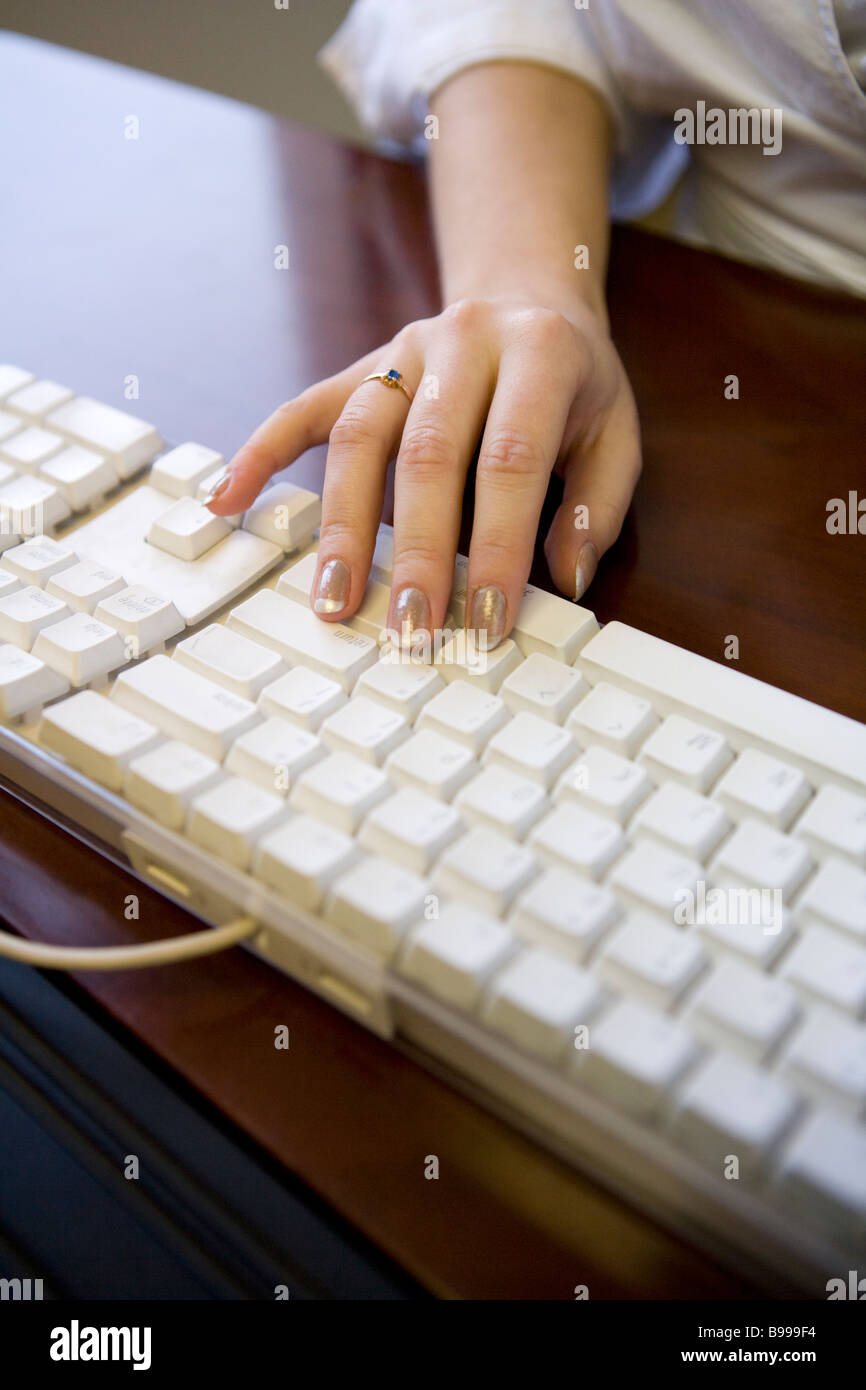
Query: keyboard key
point(502, 801)
point(828, 969)
point(818, 741)
point(564, 913)
point(551, 625)
point(9, 583)
point(485, 870)
point(180, 471)
point(30, 506)
point(459, 658)
point(25, 613)
point(274, 754)
point(822, 1176)
point(126, 442)
point(34, 401)
point(538, 999)
point(613, 718)
point(26, 683)
point(757, 941)
point(9, 425)
point(434, 764)
point(303, 639)
point(81, 649)
point(233, 661)
point(730, 1107)
point(144, 618)
point(681, 819)
point(375, 902)
point(185, 705)
point(651, 876)
point(302, 858)
point(574, 838)
point(744, 1010)
point(835, 897)
point(411, 828)
point(228, 818)
point(12, 379)
point(81, 476)
point(96, 736)
point(834, 823)
point(302, 696)
point(604, 782)
point(654, 962)
point(764, 788)
point(465, 714)
point(635, 1057)
point(688, 752)
point(762, 857)
point(403, 686)
point(543, 687)
point(826, 1060)
point(164, 781)
point(285, 514)
point(533, 748)
point(187, 529)
point(365, 729)
point(36, 560)
point(340, 790)
point(30, 448)
point(455, 954)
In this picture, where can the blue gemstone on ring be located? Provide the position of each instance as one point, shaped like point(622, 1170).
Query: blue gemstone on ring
point(393, 374)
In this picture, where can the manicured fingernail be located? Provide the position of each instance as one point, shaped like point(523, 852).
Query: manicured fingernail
point(411, 613)
point(332, 590)
point(587, 563)
point(219, 486)
point(487, 614)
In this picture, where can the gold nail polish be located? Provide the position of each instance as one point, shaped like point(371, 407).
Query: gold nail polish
point(332, 590)
point(487, 614)
point(410, 614)
point(587, 563)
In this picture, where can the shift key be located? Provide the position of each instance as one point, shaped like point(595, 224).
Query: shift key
point(185, 705)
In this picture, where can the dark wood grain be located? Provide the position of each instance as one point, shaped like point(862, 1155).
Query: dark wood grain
point(156, 258)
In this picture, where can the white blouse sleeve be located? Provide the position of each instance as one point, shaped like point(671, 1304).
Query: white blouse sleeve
point(389, 55)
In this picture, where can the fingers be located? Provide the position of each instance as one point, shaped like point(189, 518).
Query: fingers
point(599, 482)
point(439, 440)
point(286, 434)
point(362, 442)
point(522, 439)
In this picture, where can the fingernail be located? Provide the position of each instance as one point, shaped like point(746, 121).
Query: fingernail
point(487, 614)
point(587, 563)
point(332, 590)
point(219, 486)
point(411, 613)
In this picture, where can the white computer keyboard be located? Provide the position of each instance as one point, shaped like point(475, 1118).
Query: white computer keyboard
point(615, 890)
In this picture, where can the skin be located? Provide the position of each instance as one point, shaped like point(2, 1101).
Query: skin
point(522, 359)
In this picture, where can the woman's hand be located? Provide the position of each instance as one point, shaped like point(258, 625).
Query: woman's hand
point(542, 388)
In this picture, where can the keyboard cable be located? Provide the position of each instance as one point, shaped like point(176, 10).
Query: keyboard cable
point(166, 952)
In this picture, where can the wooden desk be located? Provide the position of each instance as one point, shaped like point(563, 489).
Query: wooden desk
point(154, 258)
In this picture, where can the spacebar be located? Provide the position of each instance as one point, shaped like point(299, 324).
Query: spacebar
point(828, 747)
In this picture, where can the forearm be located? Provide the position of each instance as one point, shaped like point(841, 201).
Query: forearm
point(519, 179)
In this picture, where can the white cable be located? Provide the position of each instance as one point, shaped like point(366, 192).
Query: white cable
point(201, 943)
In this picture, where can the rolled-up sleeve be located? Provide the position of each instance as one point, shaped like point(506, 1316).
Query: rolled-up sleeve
point(388, 56)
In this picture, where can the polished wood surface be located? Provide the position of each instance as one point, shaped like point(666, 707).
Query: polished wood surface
point(155, 258)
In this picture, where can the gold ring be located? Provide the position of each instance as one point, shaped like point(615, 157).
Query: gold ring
point(390, 378)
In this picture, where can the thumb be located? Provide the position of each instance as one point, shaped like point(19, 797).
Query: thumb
point(599, 482)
